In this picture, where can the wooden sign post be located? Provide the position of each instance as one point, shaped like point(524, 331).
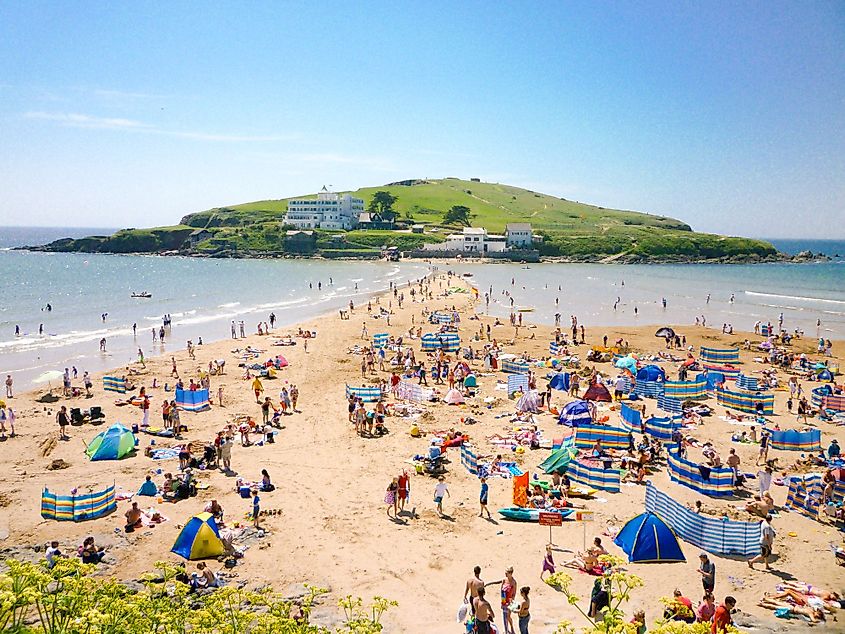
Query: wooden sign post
point(584, 517)
point(550, 519)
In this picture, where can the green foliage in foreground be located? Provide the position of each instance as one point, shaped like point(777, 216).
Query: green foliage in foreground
point(612, 619)
point(66, 600)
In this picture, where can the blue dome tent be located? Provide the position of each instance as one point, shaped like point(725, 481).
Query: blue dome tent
point(560, 381)
point(113, 444)
point(651, 373)
point(648, 539)
point(825, 375)
point(576, 413)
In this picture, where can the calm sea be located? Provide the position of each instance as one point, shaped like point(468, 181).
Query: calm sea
point(204, 295)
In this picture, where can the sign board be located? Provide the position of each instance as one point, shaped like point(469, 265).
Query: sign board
point(551, 519)
point(584, 516)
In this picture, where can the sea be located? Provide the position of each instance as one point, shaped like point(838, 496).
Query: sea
point(203, 296)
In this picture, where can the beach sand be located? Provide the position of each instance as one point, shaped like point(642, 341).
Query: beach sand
point(333, 530)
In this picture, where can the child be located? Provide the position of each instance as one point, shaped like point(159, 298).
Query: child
point(548, 562)
point(485, 488)
point(256, 508)
point(439, 491)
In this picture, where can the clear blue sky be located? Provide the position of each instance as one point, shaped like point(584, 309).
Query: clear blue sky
point(730, 116)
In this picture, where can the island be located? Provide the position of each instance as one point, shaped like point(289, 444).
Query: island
point(430, 218)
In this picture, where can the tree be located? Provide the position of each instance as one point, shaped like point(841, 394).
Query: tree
point(459, 215)
point(382, 203)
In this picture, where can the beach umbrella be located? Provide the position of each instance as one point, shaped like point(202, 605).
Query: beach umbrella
point(665, 332)
point(48, 377)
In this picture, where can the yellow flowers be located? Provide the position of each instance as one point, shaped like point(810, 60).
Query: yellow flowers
point(66, 600)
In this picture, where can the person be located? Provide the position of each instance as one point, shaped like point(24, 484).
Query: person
point(391, 497)
point(722, 616)
point(404, 489)
point(439, 491)
point(483, 612)
point(294, 397)
point(215, 509)
point(764, 447)
point(266, 484)
point(472, 586)
point(767, 538)
point(257, 388)
point(524, 614)
point(707, 608)
point(90, 553)
point(9, 383)
point(707, 570)
point(256, 508)
point(133, 518)
point(148, 488)
point(485, 489)
point(62, 419)
point(205, 578)
point(86, 381)
point(145, 407)
point(53, 553)
point(681, 610)
point(548, 562)
point(587, 561)
point(508, 594)
point(599, 599)
point(833, 450)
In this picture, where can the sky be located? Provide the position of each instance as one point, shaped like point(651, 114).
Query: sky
point(729, 116)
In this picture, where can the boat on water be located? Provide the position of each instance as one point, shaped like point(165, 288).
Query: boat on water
point(142, 295)
point(525, 309)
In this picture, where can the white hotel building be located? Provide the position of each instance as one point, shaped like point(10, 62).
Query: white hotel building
point(327, 211)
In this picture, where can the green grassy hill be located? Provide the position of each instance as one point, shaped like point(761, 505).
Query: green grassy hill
point(571, 230)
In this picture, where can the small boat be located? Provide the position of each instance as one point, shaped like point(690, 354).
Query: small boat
point(142, 295)
point(467, 274)
point(525, 309)
point(521, 514)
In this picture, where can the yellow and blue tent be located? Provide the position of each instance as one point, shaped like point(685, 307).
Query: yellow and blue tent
point(199, 539)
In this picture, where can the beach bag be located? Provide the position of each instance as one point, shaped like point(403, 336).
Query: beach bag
point(782, 613)
point(462, 613)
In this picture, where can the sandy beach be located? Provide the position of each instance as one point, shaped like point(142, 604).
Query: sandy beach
point(332, 529)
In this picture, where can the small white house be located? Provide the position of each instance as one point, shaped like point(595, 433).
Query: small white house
point(519, 235)
point(471, 240)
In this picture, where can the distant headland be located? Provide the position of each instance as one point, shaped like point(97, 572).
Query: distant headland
point(429, 218)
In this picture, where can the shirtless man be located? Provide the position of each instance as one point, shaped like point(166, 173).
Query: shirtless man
point(133, 517)
point(474, 585)
point(590, 559)
point(483, 613)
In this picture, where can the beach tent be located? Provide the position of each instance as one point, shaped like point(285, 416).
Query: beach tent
point(576, 413)
point(598, 392)
point(453, 397)
point(560, 381)
point(280, 362)
point(665, 332)
point(648, 539)
point(825, 375)
point(627, 363)
point(199, 539)
point(529, 402)
point(651, 373)
point(470, 381)
point(559, 459)
point(112, 444)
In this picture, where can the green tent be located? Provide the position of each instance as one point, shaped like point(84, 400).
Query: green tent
point(113, 444)
point(559, 459)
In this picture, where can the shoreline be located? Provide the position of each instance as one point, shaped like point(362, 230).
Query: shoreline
point(333, 531)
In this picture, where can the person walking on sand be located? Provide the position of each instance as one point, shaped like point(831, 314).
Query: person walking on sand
point(220, 396)
point(364, 330)
point(548, 562)
point(257, 388)
point(62, 420)
point(256, 508)
point(391, 498)
point(404, 489)
point(439, 491)
point(86, 381)
point(293, 393)
point(485, 489)
point(764, 448)
point(767, 540)
point(9, 383)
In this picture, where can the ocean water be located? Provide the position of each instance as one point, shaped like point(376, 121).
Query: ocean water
point(804, 293)
point(204, 295)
